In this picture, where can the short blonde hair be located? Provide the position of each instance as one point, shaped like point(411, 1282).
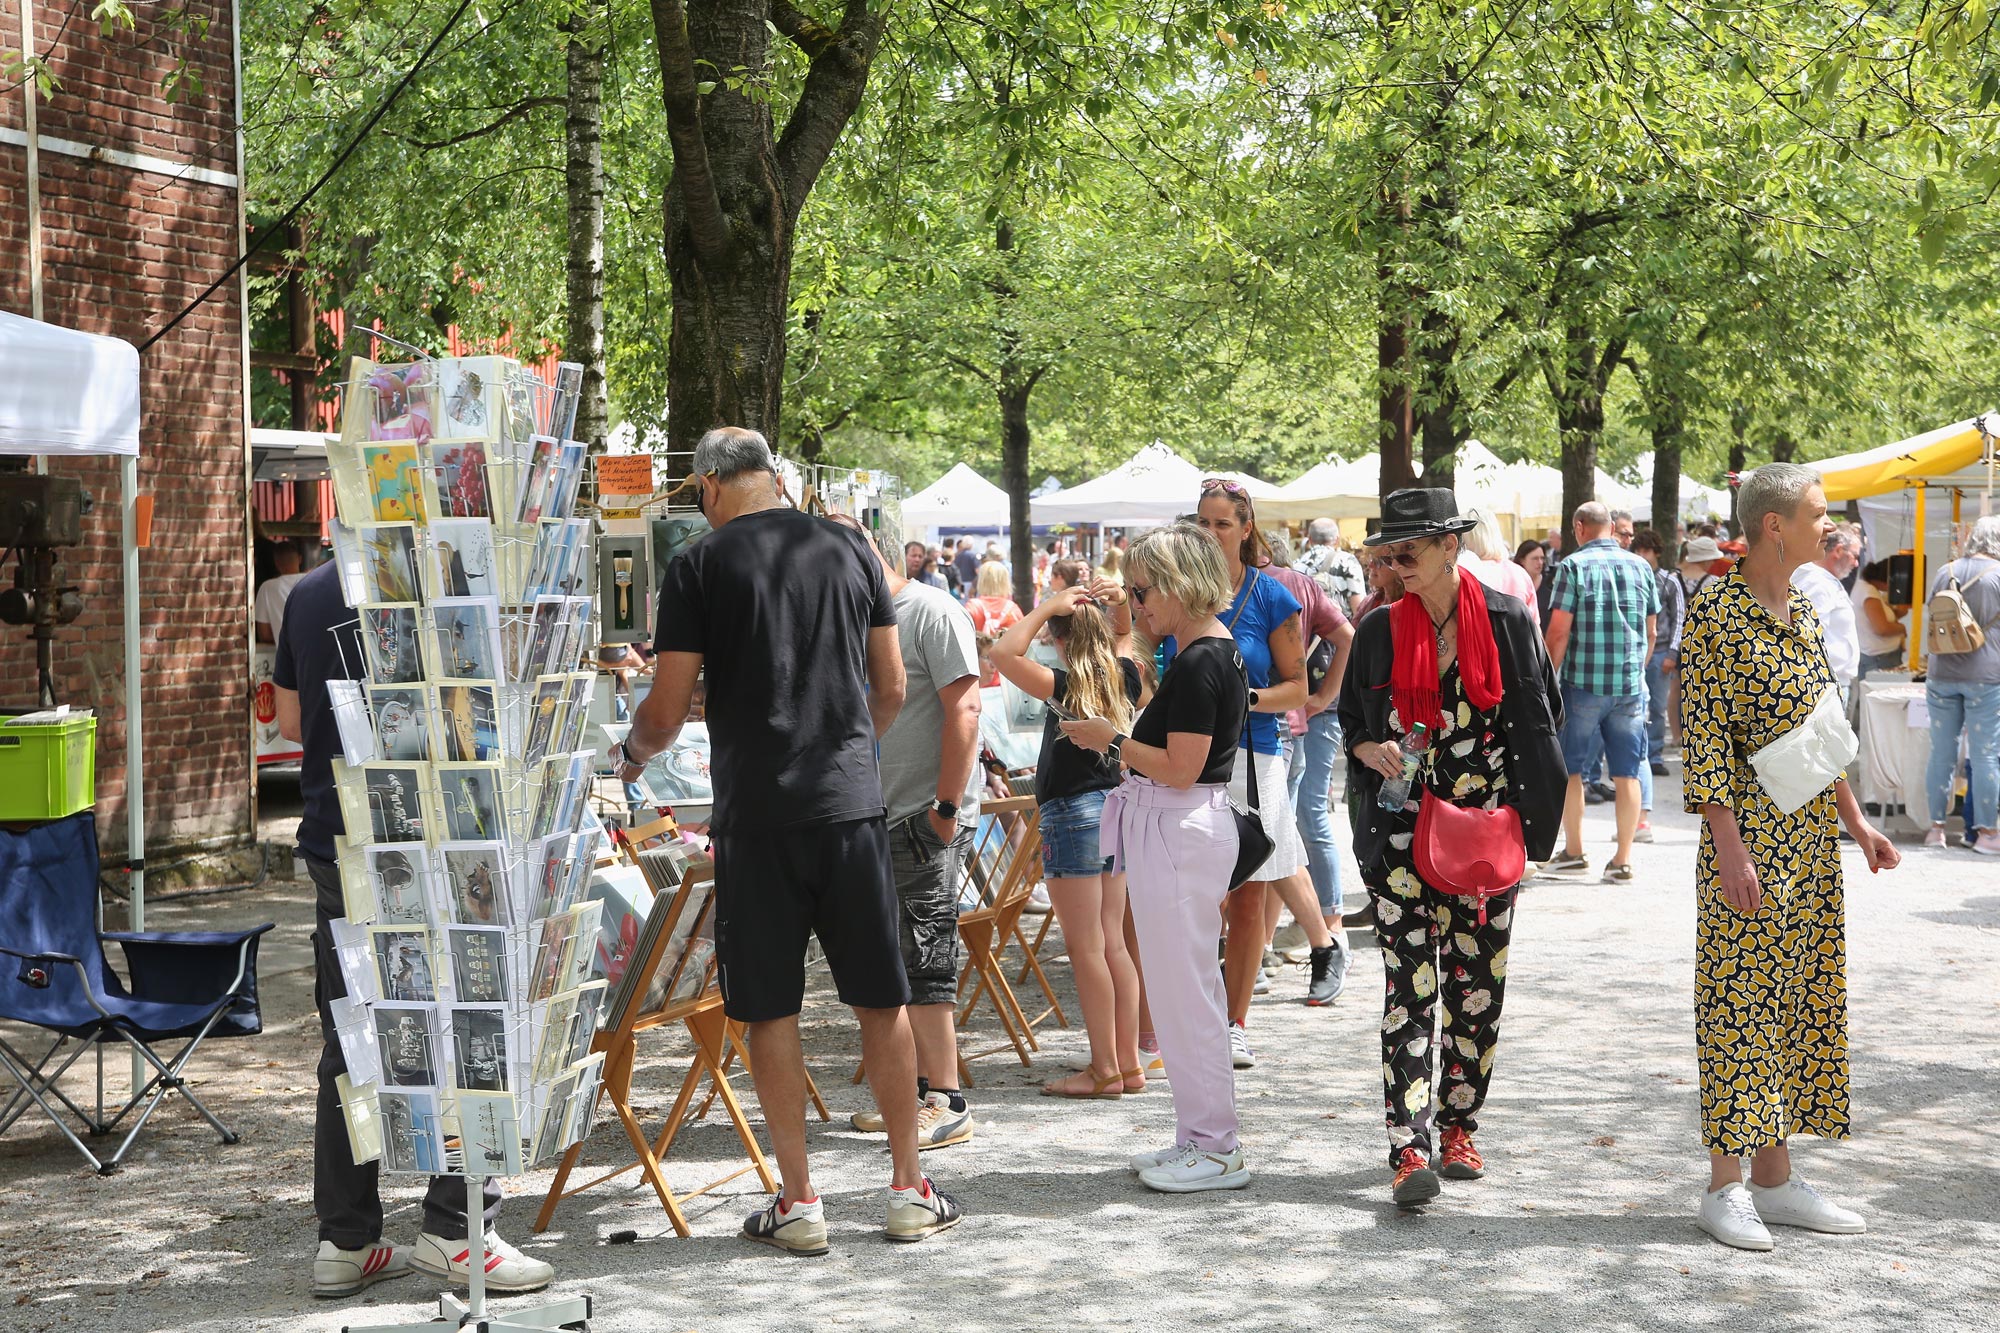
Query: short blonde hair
point(993, 580)
point(1186, 564)
point(1483, 538)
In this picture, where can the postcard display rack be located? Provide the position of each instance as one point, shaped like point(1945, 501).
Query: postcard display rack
point(468, 943)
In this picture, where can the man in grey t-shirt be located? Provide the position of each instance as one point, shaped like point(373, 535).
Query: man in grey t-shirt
point(929, 759)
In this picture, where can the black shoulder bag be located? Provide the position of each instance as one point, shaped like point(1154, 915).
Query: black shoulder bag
point(1253, 845)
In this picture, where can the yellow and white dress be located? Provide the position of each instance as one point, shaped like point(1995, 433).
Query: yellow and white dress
point(1770, 989)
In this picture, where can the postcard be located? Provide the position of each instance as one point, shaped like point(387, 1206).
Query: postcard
point(396, 804)
point(551, 942)
point(355, 1029)
point(352, 719)
point(479, 1043)
point(575, 805)
point(550, 857)
point(349, 557)
point(412, 1133)
point(394, 402)
point(469, 796)
point(356, 957)
point(479, 962)
point(461, 559)
point(489, 1125)
point(542, 453)
point(390, 641)
point(563, 478)
point(474, 874)
point(402, 721)
point(395, 479)
point(555, 1117)
point(580, 951)
point(576, 634)
point(556, 1021)
point(385, 558)
point(468, 397)
point(576, 710)
point(396, 873)
point(406, 1035)
point(459, 469)
point(590, 998)
point(583, 1100)
point(403, 964)
point(466, 638)
point(468, 720)
point(362, 1113)
point(544, 714)
point(564, 401)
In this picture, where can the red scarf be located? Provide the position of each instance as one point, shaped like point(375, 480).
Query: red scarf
point(1413, 673)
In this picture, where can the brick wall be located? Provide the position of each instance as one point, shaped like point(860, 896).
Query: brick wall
point(124, 248)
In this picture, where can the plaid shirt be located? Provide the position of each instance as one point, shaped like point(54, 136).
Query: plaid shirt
point(1610, 592)
point(1334, 570)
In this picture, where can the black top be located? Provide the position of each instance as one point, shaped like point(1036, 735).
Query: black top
point(1066, 769)
point(319, 641)
point(1204, 691)
point(779, 605)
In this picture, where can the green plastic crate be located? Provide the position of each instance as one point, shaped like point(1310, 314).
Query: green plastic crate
point(48, 770)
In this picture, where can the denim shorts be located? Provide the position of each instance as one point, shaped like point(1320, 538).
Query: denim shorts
point(1069, 837)
point(1618, 719)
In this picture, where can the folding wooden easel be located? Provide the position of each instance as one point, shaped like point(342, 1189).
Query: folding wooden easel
point(713, 1036)
point(1005, 884)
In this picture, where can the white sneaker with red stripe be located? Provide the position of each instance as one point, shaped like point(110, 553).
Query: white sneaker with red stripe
point(338, 1272)
point(507, 1269)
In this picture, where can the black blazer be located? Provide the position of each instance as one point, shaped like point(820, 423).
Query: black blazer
point(1530, 715)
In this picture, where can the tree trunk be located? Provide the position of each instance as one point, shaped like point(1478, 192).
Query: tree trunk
point(731, 210)
point(1669, 429)
point(1739, 458)
point(1013, 394)
point(1441, 421)
point(583, 179)
point(1392, 356)
point(1578, 389)
point(1784, 448)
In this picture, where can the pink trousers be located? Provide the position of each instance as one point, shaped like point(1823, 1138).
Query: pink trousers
point(1177, 849)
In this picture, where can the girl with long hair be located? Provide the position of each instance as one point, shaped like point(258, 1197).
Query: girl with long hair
point(1070, 786)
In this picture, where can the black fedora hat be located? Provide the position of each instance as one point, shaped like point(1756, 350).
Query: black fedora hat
point(1416, 513)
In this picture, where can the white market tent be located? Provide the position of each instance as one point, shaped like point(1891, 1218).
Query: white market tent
point(960, 498)
point(1154, 486)
point(1337, 488)
point(65, 394)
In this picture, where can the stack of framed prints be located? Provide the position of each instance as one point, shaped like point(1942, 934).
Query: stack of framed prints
point(469, 947)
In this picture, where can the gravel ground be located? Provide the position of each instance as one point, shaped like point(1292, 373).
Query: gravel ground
point(1584, 1221)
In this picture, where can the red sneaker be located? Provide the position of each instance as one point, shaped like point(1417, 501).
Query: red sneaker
point(1415, 1183)
point(1461, 1160)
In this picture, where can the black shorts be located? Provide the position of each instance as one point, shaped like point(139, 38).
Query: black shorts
point(776, 887)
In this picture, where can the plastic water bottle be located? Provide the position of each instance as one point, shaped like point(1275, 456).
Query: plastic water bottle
point(1396, 790)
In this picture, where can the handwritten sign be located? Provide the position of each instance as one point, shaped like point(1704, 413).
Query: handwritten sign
point(625, 474)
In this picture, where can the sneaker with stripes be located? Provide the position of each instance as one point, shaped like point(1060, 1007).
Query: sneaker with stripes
point(507, 1269)
point(338, 1272)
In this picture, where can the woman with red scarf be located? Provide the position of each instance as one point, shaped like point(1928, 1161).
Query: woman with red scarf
point(1468, 663)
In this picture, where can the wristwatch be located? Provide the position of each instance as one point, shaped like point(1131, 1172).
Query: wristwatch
point(625, 757)
point(1117, 743)
point(945, 808)
point(1253, 698)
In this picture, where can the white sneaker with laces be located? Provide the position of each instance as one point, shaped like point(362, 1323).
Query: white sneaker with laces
point(507, 1269)
point(1146, 1161)
point(1240, 1054)
point(1730, 1215)
point(338, 1272)
point(1194, 1169)
point(919, 1212)
point(1038, 901)
point(1262, 986)
point(1797, 1204)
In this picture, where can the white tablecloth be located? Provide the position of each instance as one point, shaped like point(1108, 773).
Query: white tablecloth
point(1895, 745)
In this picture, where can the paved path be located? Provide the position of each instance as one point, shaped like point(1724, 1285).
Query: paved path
point(1584, 1221)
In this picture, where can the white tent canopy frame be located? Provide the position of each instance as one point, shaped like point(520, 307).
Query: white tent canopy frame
point(66, 394)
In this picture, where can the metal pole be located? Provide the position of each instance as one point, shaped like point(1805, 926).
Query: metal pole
point(135, 747)
point(30, 125)
point(475, 1262)
point(1917, 586)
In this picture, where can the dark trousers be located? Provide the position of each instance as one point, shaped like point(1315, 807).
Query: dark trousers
point(348, 1198)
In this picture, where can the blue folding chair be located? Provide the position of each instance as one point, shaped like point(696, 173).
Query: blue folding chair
point(185, 986)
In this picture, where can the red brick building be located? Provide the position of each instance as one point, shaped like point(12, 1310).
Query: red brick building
point(139, 212)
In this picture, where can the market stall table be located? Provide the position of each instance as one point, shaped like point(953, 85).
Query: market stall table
point(1895, 729)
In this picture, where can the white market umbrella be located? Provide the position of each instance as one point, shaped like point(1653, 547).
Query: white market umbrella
point(1337, 488)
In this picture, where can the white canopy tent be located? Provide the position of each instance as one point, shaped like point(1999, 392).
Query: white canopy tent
point(960, 498)
point(1337, 488)
point(1154, 486)
point(1697, 500)
point(66, 394)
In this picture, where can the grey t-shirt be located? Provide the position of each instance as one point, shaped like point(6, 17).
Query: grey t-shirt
point(938, 648)
point(1979, 581)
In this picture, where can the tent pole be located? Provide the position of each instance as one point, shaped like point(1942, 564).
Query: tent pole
point(1917, 586)
point(135, 749)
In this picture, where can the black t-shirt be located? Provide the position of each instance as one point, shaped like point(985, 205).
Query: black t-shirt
point(779, 605)
point(1204, 692)
point(319, 641)
point(1066, 769)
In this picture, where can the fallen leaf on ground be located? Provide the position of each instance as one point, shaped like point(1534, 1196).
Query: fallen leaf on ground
point(1604, 1141)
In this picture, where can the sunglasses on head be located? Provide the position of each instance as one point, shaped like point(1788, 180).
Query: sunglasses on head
point(1214, 484)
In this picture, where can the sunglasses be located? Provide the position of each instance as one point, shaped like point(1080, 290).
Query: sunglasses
point(1138, 592)
point(1214, 484)
point(1404, 559)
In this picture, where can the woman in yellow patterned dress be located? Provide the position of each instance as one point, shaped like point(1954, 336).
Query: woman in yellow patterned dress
point(1770, 970)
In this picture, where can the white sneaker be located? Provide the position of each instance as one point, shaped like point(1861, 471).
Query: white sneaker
point(1194, 1169)
point(938, 1126)
point(1038, 901)
point(1154, 1066)
point(507, 1269)
point(1146, 1161)
point(799, 1229)
point(338, 1272)
point(1934, 836)
point(1988, 845)
point(920, 1212)
point(1797, 1204)
point(1273, 964)
point(1262, 985)
point(1730, 1215)
point(1240, 1054)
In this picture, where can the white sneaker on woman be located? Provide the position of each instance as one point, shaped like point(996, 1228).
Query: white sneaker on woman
point(1195, 1169)
point(1730, 1215)
point(1146, 1161)
point(1934, 836)
point(1797, 1204)
point(1240, 1054)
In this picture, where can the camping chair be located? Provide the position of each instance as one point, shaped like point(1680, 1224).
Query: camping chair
point(185, 986)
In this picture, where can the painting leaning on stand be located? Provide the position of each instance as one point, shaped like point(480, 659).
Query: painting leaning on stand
point(1770, 932)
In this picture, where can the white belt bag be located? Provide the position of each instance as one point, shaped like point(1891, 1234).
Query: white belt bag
point(1804, 762)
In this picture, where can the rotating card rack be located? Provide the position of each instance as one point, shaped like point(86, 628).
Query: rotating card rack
point(467, 944)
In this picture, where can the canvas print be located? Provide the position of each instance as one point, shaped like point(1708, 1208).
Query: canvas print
point(458, 468)
point(468, 397)
point(402, 721)
point(389, 402)
point(474, 876)
point(478, 963)
point(469, 721)
point(466, 638)
point(406, 1036)
point(397, 875)
point(403, 964)
point(388, 561)
point(390, 642)
point(470, 799)
point(489, 1125)
point(479, 1045)
point(395, 480)
point(460, 561)
point(395, 801)
point(542, 454)
point(412, 1133)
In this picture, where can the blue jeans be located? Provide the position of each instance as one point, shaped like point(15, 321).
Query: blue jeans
point(1311, 781)
point(1963, 706)
point(1656, 705)
point(1595, 773)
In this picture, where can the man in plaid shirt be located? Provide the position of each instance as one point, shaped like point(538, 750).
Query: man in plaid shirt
point(1604, 611)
